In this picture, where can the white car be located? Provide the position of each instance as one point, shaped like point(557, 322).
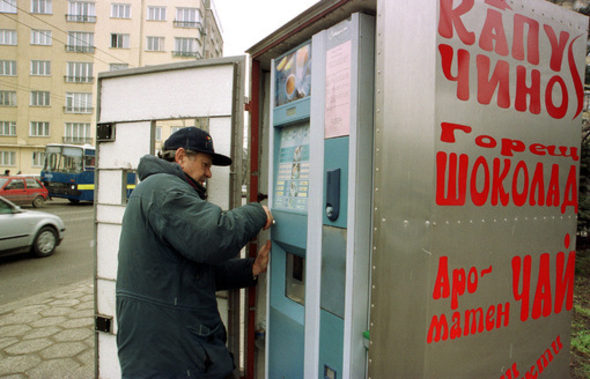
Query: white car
point(27, 230)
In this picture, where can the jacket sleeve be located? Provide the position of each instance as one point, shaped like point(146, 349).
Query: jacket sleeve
point(235, 273)
point(201, 231)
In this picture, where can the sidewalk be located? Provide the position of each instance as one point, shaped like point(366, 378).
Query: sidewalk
point(49, 335)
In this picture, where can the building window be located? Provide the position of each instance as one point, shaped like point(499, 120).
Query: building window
point(7, 36)
point(7, 68)
point(41, 37)
point(41, 6)
point(119, 10)
point(77, 132)
point(174, 129)
point(188, 18)
point(119, 41)
point(79, 72)
point(186, 47)
point(40, 98)
point(7, 128)
point(40, 68)
point(39, 129)
point(158, 133)
point(7, 158)
point(81, 11)
point(155, 43)
point(38, 159)
point(118, 66)
point(77, 102)
point(156, 13)
point(81, 42)
point(7, 6)
point(8, 98)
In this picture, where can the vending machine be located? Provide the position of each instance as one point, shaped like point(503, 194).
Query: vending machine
point(320, 193)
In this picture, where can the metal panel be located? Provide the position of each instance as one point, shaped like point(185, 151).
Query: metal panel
point(111, 179)
point(107, 249)
point(429, 238)
point(124, 155)
point(168, 94)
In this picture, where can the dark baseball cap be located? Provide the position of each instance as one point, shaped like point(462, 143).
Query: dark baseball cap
point(198, 140)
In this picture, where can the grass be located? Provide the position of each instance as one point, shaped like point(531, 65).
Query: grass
point(580, 330)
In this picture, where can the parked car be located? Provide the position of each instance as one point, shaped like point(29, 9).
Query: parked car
point(27, 230)
point(23, 190)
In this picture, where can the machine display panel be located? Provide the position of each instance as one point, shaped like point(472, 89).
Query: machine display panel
point(293, 76)
point(292, 177)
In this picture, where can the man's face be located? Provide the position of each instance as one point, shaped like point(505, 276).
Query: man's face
point(195, 165)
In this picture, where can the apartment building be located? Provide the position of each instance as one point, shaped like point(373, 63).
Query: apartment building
point(52, 50)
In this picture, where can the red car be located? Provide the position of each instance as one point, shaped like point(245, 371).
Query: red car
point(23, 190)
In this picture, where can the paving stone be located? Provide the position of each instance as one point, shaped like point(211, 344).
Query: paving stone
point(49, 321)
point(63, 350)
point(55, 368)
point(14, 330)
point(34, 308)
point(65, 302)
point(42, 332)
point(85, 305)
point(15, 376)
point(83, 313)
point(7, 341)
point(56, 311)
point(18, 364)
point(78, 334)
point(19, 318)
point(86, 357)
point(28, 347)
point(78, 322)
point(89, 297)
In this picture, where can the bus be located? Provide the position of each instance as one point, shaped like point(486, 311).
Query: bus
point(69, 171)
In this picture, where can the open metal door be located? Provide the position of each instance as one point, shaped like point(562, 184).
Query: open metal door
point(137, 110)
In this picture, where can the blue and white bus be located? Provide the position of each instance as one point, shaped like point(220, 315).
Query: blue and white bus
point(69, 171)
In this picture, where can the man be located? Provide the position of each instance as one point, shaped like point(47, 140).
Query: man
point(175, 250)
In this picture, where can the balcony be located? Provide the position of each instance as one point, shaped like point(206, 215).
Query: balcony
point(80, 49)
point(77, 140)
point(181, 53)
point(79, 79)
point(188, 24)
point(80, 18)
point(74, 109)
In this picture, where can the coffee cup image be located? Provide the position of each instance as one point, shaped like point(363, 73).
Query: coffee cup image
point(290, 86)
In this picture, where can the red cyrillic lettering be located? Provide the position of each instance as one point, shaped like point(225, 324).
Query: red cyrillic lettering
point(450, 17)
point(474, 315)
point(557, 48)
point(500, 79)
point(493, 30)
point(510, 145)
point(520, 198)
point(447, 133)
point(564, 281)
point(537, 148)
point(570, 196)
point(457, 177)
point(532, 39)
point(497, 182)
point(563, 152)
point(442, 329)
point(522, 296)
point(456, 327)
point(458, 287)
point(538, 184)
point(479, 141)
point(556, 111)
point(442, 287)
point(479, 198)
point(522, 91)
point(553, 190)
point(462, 77)
point(490, 318)
point(542, 302)
point(503, 314)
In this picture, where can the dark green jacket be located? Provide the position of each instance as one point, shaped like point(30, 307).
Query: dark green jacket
point(175, 251)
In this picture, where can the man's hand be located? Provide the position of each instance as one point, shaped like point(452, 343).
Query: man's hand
point(261, 262)
point(269, 218)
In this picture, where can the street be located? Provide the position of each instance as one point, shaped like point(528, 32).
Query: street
point(73, 261)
